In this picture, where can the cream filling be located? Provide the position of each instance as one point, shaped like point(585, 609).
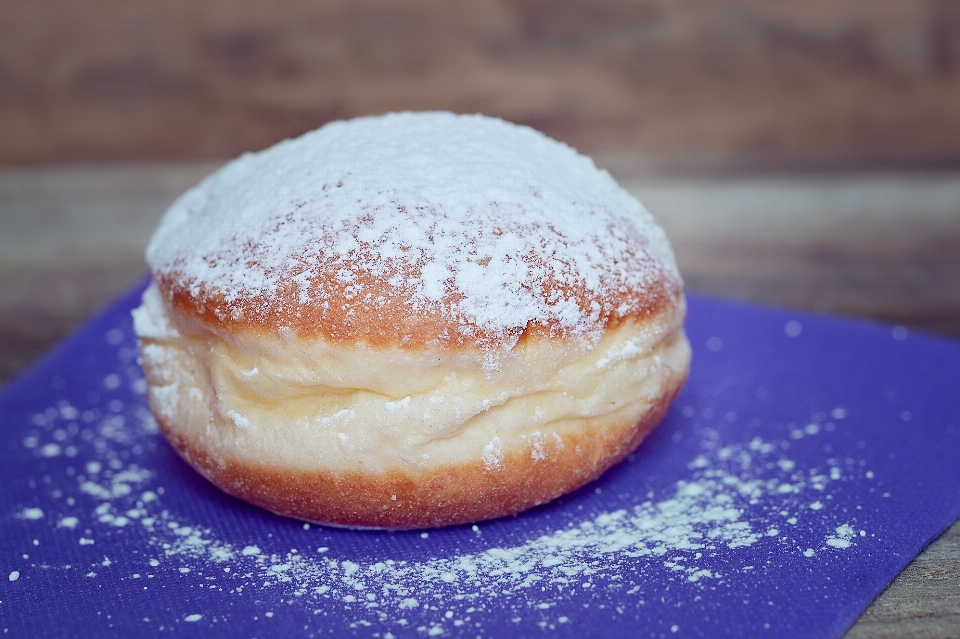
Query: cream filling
point(315, 404)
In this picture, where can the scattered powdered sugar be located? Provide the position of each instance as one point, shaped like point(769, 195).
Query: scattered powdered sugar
point(843, 538)
point(493, 454)
point(734, 499)
point(30, 513)
point(537, 451)
point(240, 420)
point(489, 224)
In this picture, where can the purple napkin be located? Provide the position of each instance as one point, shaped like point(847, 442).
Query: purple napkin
point(807, 461)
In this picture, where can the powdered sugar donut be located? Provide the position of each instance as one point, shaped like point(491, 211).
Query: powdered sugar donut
point(412, 320)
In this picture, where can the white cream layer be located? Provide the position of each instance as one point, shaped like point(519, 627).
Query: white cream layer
point(315, 404)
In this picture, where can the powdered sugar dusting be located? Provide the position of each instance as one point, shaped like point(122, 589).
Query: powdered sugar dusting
point(708, 515)
point(487, 224)
point(712, 513)
point(493, 454)
point(733, 507)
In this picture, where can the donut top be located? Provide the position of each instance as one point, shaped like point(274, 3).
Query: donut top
point(414, 228)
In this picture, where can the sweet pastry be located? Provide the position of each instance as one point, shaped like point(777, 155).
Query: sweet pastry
point(412, 320)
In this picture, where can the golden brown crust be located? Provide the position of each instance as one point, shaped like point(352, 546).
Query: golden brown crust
point(437, 497)
point(393, 321)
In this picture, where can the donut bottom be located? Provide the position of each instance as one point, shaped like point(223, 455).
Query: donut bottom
point(438, 496)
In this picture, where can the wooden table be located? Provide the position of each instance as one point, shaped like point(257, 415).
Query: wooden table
point(881, 245)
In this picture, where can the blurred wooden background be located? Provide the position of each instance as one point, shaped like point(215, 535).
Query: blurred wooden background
point(681, 81)
point(798, 153)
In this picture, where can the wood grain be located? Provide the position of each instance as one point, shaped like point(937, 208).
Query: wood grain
point(692, 81)
point(923, 602)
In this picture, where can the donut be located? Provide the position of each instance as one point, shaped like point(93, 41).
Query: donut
point(408, 321)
